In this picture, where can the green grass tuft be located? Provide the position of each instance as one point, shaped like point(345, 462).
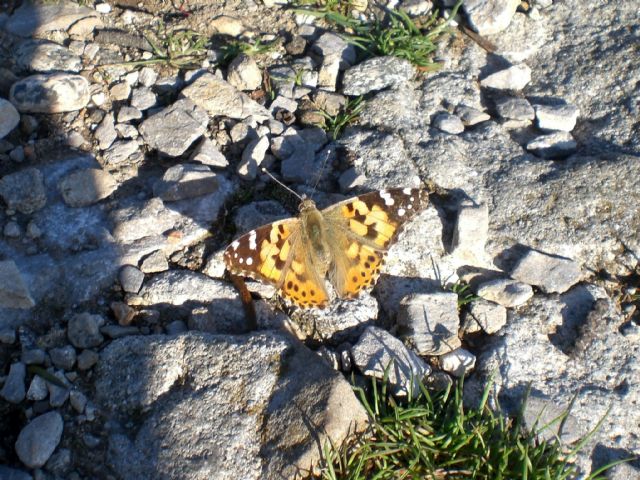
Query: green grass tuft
point(348, 114)
point(434, 437)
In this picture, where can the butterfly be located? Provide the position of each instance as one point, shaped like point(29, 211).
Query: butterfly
point(345, 242)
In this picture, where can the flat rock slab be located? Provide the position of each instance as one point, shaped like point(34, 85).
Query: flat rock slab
point(50, 93)
point(220, 406)
point(86, 186)
point(173, 129)
point(551, 273)
point(490, 16)
point(42, 56)
point(505, 292)
point(218, 97)
point(39, 18)
point(376, 74)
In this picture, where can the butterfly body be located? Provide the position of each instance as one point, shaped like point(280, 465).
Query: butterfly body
point(345, 242)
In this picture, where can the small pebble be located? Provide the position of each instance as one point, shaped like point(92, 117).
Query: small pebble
point(37, 441)
point(458, 363)
point(13, 390)
point(448, 123)
point(87, 359)
point(64, 357)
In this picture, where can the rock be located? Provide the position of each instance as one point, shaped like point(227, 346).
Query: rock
point(300, 167)
point(33, 356)
point(255, 214)
point(540, 412)
point(7, 473)
point(143, 98)
point(490, 16)
point(13, 291)
point(24, 190)
point(64, 357)
point(120, 151)
point(377, 349)
point(127, 131)
point(84, 330)
point(7, 335)
point(45, 56)
point(429, 322)
point(331, 45)
point(37, 389)
point(291, 401)
point(506, 292)
point(556, 117)
point(470, 234)
point(552, 145)
point(86, 186)
point(522, 39)
point(106, 132)
point(515, 108)
point(9, 117)
point(58, 395)
point(448, 123)
point(283, 103)
point(119, 331)
point(486, 316)
point(37, 441)
point(207, 153)
point(458, 363)
point(36, 19)
point(123, 313)
point(471, 116)
point(243, 73)
point(252, 157)
point(376, 73)
point(515, 77)
point(350, 179)
point(147, 77)
point(60, 462)
point(553, 274)
point(128, 113)
point(120, 91)
point(77, 400)
point(155, 262)
point(172, 130)
point(12, 230)
point(218, 97)
point(130, 278)
point(228, 25)
point(13, 390)
point(87, 359)
point(186, 180)
point(176, 327)
point(50, 93)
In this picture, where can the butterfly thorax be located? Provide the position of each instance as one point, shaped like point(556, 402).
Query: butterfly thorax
point(314, 229)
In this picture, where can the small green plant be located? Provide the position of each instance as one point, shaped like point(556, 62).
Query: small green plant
point(465, 295)
point(434, 437)
point(399, 36)
point(235, 47)
point(179, 49)
point(349, 113)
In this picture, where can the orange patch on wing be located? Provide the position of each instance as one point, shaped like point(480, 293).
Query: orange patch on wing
point(364, 273)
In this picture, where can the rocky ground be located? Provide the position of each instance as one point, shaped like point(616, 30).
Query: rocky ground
point(125, 350)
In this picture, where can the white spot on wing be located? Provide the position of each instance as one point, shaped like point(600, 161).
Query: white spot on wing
point(252, 241)
point(235, 244)
point(401, 212)
point(410, 206)
point(386, 196)
point(249, 261)
point(406, 191)
point(241, 260)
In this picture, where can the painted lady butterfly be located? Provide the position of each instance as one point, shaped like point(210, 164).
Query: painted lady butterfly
point(346, 241)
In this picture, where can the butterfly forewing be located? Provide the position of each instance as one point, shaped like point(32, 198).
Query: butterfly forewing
point(364, 227)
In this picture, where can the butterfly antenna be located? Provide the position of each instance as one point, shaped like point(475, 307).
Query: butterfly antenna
point(264, 170)
point(324, 164)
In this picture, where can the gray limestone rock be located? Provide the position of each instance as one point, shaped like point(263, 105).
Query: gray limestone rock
point(448, 123)
point(553, 274)
point(39, 18)
point(50, 93)
point(483, 315)
point(207, 153)
point(63, 357)
point(376, 73)
point(13, 390)
point(430, 322)
point(84, 330)
point(186, 180)
point(471, 116)
point(255, 214)
point(515, 108)
point(396, 109)
point(552, 145)
point(458, 363)
point(37, 441)
point(106, 133)
point(506, 292)
point(13, 290)
point(86, 186)
point(282, 397)
point(243, 73)
point(522, 39)
point(470, 234)
point(155, 262)
point(218, 97)
point(128, 113)
point(37, 389)
point(24, 190)
point(87, 359)
point(143, 98)
point(9, 117)
point(7, 473)
point(377, 350)
point(252, 157)
point(556, 117)
point(120, 151)
point(515, 77)
point(45, 56)
point(331, 45)
point(490, 16)
point(172, 130)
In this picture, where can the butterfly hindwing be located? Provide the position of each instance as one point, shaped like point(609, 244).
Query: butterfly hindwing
point(364, 228)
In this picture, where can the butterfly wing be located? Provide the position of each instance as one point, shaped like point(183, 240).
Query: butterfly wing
point(362, 230)
point(275, 254)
